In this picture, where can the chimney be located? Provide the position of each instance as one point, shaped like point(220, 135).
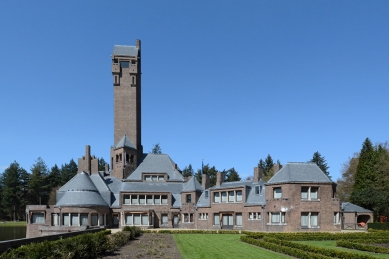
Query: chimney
point(205, 181)
point(257, 174)
point(276, 168)
point(88, 159)
point(219, 178)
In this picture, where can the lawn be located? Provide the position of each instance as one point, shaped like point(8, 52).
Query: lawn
point(332, 245)
point(219, 246)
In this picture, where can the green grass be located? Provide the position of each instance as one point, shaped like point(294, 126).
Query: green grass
point(331, 244)
point(219, 246)
point(12, 223)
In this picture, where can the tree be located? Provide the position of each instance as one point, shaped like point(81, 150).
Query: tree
point(364, 176)
point(267, 167)
point(232, 175)
point(188, 171)
point(68, 171)
point(14, 200)
point(346, 183)
point(156, 149)
point(211, 171)
point(54, 177)
point(38, 185)
point(102, 164)
point(321, 162)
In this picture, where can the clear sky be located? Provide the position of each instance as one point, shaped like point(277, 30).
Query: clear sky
point(225, 81)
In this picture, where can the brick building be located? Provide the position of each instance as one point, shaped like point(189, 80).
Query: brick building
point(148, 190)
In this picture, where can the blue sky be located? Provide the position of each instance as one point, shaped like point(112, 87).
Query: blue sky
point(224, 81)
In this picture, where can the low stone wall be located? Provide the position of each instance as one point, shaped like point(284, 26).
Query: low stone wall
point(5, 245)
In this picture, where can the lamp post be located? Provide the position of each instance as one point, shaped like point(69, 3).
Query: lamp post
point(60, 215)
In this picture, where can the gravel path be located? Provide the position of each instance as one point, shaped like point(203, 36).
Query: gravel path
point(148, 245)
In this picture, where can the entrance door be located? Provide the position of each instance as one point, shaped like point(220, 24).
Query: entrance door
point(175, 221)
point(228, 221)
point(115, 220)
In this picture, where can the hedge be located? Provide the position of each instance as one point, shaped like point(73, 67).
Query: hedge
point(378, 226)
point(84, 246)
point(191, 231)
point(352, 244)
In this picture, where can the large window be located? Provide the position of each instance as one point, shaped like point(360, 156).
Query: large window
point(216, 219)
point(126, 199)
point(216, 197)
point(84, 219)
point(277, 193)
point(187, 218)
point(94, 219)
point(309, 220)
point(164, 199)
point(231, 196)
point(74, 219)
point(66, 219)
point(309, 193)
point(276, 217)
point(224, 196)
point(238, 219)
point(38, 218)
point(238, 196)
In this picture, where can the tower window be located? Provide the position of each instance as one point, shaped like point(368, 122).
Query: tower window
point(133, 80)
point(124, 64)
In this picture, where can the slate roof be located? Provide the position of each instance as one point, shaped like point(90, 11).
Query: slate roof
point(157, 163)
point(192, 185)
point(176, 200)
point(125, 142)
point(204, 202)
point(299, 172)
point(122, 50)
point(80, 191)
point(349, 207)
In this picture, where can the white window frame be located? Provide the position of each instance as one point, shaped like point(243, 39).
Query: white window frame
point(311, 217)
point(277, 193)
point(281, 218)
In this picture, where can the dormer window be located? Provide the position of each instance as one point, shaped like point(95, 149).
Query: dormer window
point(256, 190)
point(206, 194)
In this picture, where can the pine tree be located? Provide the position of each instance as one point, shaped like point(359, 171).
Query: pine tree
point(188, 171)
point(102, 164)
point(38, 185)
point(13, 193)
point(156, 149)
point(232, 175)
point(68, 171)
point(211, 171)
point(365, 176)
point(321, 162)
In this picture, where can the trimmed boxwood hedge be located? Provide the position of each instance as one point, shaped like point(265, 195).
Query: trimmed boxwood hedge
point(378, 225)
point(191, 231)
point(84, 246)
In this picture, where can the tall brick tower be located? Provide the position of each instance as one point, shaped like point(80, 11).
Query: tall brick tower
point(126, 71)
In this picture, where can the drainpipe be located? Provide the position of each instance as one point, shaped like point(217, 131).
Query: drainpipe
point(263, 217)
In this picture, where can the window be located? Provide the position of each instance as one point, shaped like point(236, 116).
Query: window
point(203, 216)
point(188, 198)
point(145, 219)
point(94, 219)
point(66, 219)
point(238, 196)
point(206, 194)
point(188, 218)
point(134, 199)
point(164, 219)
point(137, 219)
point(309, 193)
point(149, 199)
point(101, 220)
point(309, 220)
point(161, 178)
point(164, 199)
point(277, 217)
point(126, 199)
point(216, 197)
point(154, 177)
point(128, 219)
point(148, 177)
point(216, 219)
point(254, 215)
point(74, 219)
point(84, 219)
point(256, 190)
point(142, 199)
point(238, 219)
point(124, 64)
point(277, 193)
point(157, 199)
point(38, 218)
point(336, 218)
point(224, 196)
point(231, 197)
